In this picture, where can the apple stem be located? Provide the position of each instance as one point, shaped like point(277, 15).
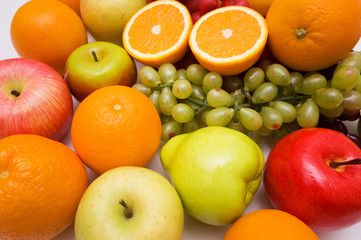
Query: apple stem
point(95, 56)
point(351, 162)
point(127, 210)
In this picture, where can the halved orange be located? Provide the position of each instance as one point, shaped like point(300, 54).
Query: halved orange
point(229, 40)
point(158, 33)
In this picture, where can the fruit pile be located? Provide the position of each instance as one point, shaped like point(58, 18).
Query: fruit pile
point(262, 99)
point(142, 120)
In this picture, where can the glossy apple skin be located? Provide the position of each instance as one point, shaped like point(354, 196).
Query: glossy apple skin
point(84, 74)
point(44, 106)
point(158, 211)
point(299, 180)
point(106, 19)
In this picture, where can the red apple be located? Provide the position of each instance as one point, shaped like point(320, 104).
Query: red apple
point(315, 174)
point(34, 99)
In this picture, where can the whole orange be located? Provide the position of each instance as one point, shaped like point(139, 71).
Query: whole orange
point(47, 31)
point(116, 126)
point(310, 35)
point(74, 4)
point(41, 184)
point(270, 224)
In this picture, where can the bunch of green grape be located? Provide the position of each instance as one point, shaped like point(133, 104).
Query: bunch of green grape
point(258, 102)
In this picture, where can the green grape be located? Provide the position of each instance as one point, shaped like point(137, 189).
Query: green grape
point(164, 118)
point(182, 113)
point(141, 87)
point(278, 74)
point(154, 98)
point(197, 92)
point(190, 126)
point(352, 59)
point(204, 114)
point(265, 93)
point(219, 116)
point(345, 78)
point(327, 97)
point(195, 73)
point(181, 74)
point(167, 101)
point(310, 84)
point(331, 113)
point(193, 105)
point(278, 135)
point(253, 78)
point(182, 88)
point(272, 119)
point(310, 73)
point(171, 129)
point(236, 125)
point(308, 114)
point(265, 131)
point(352, 100)
point(358, 85)
point(218, 97)
point(231, 83)
point(254, 135)
point(238, 97)
point(167, 73)
point(287, 110)
point(296, 78)
point(149, 76)
point(250, 119)
point(211, 80)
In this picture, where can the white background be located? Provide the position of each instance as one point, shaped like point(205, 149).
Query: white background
point(193, 229)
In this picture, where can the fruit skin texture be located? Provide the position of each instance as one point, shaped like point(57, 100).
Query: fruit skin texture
point(41, 184)
point(44, 105)
point(47, 31)
point(158, 211)
point(299, 180)
point(271, 224)
point(114, 66)
point(106, 19)
point(215, 170)
point(333, 29)
point(74, 4)
point(116, 126)
point(260, 6)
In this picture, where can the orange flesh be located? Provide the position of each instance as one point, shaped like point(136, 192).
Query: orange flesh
point(242, 38)
point(165, 28)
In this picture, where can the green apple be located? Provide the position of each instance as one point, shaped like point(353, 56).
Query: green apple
point(129, 203)
point(106, 19)
point(98, 64)
point(216, 172)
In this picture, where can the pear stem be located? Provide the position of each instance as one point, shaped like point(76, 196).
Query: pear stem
point(95, 56)
point(351, 162)
point(127, 210)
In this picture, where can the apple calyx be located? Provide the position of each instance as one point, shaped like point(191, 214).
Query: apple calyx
point(127, 210)
point(15, 93)
point(351, 162)
point(95, 56)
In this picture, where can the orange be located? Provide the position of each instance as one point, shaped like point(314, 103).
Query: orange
point(312, 35)
point(270, 224)
point(158, 33)
point(116, 126)
point(74, 4)
point(229, 40)
point(260, 6)
point(41, 184)
point(47, 31)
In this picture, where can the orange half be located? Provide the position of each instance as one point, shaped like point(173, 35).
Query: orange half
point(229, 40)
point(158, 33)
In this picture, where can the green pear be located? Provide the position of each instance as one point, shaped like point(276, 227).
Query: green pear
point(216, 172)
